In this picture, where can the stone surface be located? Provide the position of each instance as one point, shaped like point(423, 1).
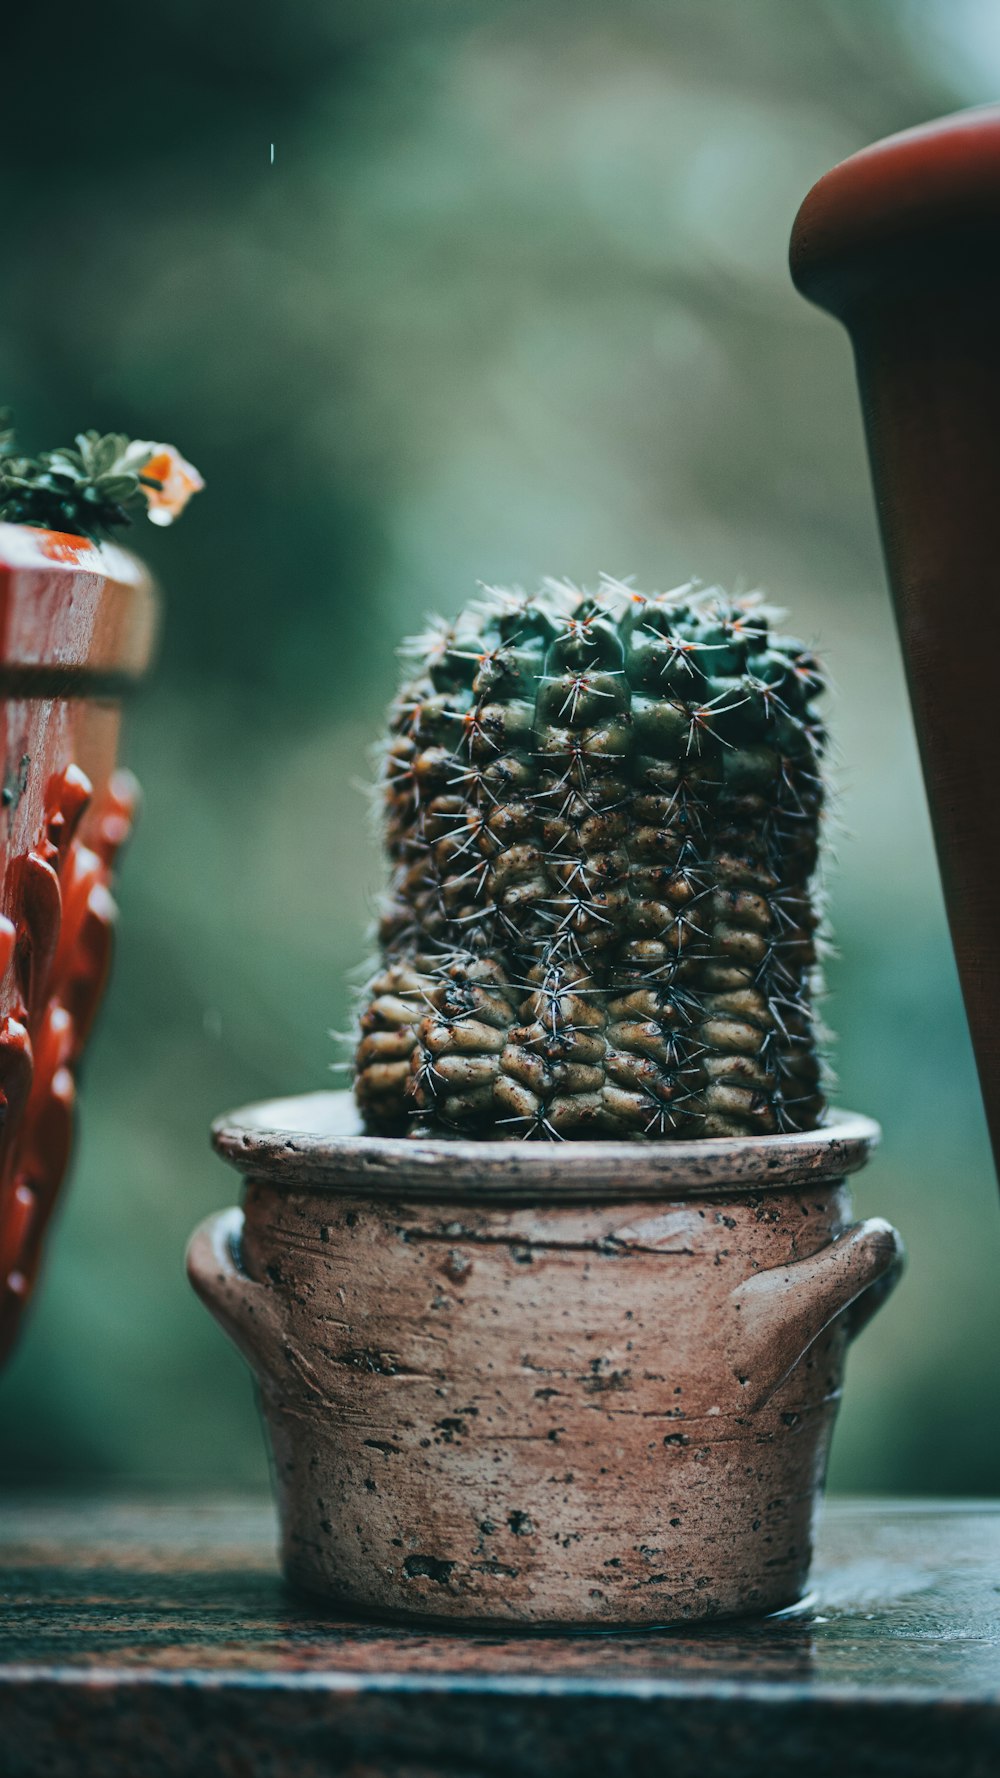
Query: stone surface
point(140, 1641)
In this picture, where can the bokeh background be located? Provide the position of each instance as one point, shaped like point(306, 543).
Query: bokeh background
point(511, 299)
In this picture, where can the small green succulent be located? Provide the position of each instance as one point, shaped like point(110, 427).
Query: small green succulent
point(94, 487)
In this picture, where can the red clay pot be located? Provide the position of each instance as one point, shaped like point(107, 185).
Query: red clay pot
point(902, 244)
point(513, 1383)
point(76, 631)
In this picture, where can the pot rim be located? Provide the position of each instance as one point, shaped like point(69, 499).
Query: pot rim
point(77, 619)
point(930, 193)
point(315, 1141)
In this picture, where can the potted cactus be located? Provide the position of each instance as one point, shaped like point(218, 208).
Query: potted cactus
point(550, 1324)
point(77, 619)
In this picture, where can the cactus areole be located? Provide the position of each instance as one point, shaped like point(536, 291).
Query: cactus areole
point(602, 816)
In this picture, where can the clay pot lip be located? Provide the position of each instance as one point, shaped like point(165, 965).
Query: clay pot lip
point(76, 618)
point(316, 1142)
point(33, 546)
point(937, 182)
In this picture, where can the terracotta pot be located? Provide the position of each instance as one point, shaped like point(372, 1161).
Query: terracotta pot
point(76, 631)
point(522, 1384)
point(902, 244)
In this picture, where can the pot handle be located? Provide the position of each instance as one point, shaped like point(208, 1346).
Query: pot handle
point(779, 1313)
point(246, 1310)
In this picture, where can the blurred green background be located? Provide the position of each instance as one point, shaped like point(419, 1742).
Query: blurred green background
point(512, 299)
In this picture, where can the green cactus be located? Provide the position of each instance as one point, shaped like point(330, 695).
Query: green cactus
point(602, 815)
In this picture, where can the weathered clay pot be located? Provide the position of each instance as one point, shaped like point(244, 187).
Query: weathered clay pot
point(76, 631)
point(517, 1383)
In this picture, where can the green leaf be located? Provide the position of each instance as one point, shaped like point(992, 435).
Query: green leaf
point(118, 487)
point(92, 486)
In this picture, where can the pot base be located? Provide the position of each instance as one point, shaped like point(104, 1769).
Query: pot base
point(342, 1610)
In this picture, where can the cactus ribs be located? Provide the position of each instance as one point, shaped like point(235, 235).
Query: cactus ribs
point(602, 816)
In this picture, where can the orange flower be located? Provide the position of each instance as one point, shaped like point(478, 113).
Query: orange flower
point(179, 480)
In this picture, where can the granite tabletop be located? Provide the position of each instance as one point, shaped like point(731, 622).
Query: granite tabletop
point(141, 1638)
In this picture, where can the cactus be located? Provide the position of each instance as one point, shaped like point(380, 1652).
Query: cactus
point(602, 815)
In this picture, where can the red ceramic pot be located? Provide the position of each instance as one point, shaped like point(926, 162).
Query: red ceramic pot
point(902, 244)
point(76, 630)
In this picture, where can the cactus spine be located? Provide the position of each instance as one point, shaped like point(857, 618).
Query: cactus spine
point(602, 816)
